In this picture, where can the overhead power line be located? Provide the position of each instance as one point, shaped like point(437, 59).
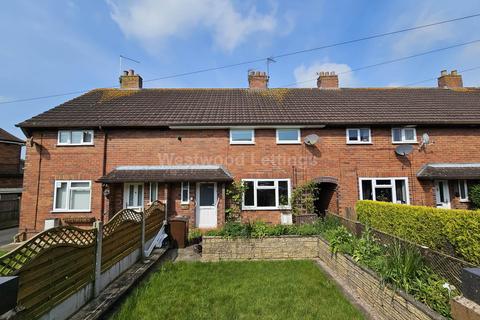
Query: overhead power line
point(391, 61)
point(435, 78)
point(282, 55)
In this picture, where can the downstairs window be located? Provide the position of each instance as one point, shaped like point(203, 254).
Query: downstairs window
point(384, 189)
point(72, 196)
point(265, 194)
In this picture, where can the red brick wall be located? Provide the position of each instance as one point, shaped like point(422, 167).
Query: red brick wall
point(330, 157)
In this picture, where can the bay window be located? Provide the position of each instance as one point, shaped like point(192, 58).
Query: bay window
point(262, 194)
point(384, 189)
point(72, 196)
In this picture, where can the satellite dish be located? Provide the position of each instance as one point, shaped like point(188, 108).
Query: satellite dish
point(403, 149)
point(425, 139)
point(311, 139)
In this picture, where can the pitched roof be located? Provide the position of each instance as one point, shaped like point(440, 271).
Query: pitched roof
point(8, 137)
point(449, 171)
point(307, 106)
point(191, 173)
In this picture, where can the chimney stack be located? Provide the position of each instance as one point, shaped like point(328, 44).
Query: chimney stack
point(452, 80)
point(130, 80)
point(257, 80)
point(327, 80)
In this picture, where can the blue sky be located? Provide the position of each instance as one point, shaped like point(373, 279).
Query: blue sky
point(51, 47)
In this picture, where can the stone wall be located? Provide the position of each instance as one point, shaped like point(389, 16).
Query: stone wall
point(284, 247)
point(388, 304)
point(383, 302)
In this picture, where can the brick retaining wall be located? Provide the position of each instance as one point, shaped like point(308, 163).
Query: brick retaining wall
point(386, 303)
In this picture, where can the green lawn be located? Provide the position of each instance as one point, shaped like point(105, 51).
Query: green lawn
point(2, 253)
point(238, 290)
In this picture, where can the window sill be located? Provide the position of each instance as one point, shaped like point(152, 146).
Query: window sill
point(266, 208)
point(289, 142)
point(75, 145)
point(464, 201)
point(406, 142)
point(242, 143)
point(359, 143)
point(71, 211)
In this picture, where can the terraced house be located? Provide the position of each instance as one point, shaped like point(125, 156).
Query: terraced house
point(122, 148)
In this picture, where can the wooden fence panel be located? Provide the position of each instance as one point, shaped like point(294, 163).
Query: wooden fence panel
point(51, 267)
point(58, 262)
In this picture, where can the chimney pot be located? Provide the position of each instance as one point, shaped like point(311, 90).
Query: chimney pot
point(257, 80)
point(130, 80)
point(452, 80)
point(327, 80)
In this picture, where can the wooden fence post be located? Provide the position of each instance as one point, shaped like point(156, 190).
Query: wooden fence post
point(142, 240)
point(98, 258)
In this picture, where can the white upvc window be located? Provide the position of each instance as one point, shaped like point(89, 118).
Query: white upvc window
point(404, 135)
point(153, 191)
point(288, 136)
point(384, 189)
point(185, 193)
point(75, 137)
point(266, 194)
point(359, 136)
point(242, 136)
point(72, 195)
point(463, 190)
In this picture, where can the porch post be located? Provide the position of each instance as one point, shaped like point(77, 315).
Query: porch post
point(142, 240)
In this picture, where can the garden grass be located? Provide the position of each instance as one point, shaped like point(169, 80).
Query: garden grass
point(238, 290)
point(2, 253)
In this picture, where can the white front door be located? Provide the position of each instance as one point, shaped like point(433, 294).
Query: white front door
point(133, 196)
point(442, 194)
point(206, 205)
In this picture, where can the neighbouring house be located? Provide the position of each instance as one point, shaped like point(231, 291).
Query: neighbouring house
point(11, 178)
point(123, 148)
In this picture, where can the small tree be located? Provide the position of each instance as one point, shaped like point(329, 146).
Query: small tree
point(235, 194)
point(474, 195)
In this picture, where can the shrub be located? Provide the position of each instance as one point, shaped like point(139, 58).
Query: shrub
point(194, 234)
point(474, 195)
point(439, 229)
point(303, 199)
point(234, 193)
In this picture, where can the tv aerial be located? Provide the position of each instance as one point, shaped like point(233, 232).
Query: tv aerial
point(311, 139)
point(404, 150)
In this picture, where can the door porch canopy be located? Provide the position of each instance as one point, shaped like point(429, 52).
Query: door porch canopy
point(448, 171)
point(177, 173)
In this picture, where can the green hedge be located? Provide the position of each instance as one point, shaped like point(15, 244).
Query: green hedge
point(435, 228)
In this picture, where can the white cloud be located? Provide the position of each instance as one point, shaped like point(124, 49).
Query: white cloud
point(306, 76)
point(153, 21)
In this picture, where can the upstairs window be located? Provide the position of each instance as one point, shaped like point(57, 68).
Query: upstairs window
point(242, 136)
point(288, 136)
point(72, 196)
point(358, 136)
point(384, 189)
point(75, 137)
point(266, 194)
point(404, 135)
